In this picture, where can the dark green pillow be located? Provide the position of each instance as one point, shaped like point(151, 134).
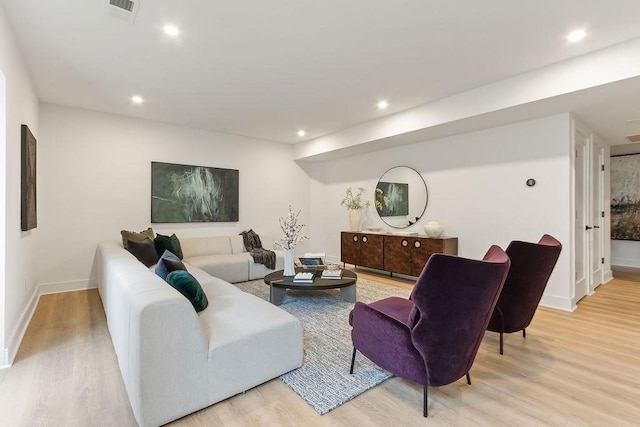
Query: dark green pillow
point(143, 250)
point(188, 286)
point(168, 243)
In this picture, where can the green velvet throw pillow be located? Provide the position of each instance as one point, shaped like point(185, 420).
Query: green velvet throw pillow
point(168, 243)
point(188, 286)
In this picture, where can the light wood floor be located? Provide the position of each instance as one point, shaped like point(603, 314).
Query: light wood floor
point(573, 369)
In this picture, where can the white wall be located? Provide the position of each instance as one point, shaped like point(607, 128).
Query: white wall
point(625, 253)
point(96, 171)
point(18, 249)
point(476, 184)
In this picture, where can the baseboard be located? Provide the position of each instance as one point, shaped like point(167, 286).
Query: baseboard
point(8, 354)
point(560, 303)
point(608, 276)
point(21, 329)
point(76, 285)
point(625, 262)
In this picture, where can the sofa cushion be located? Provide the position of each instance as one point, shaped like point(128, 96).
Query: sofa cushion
point(137, 236)
point(188, 286)
point(167, 263)
point(237, 245)
point(199, 246)
point(143, 250)
point(232, 268)
point(244, 332)
point(258, 271)
point(170, 243)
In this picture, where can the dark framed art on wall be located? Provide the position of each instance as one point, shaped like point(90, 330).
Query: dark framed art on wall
point(29, 212)
point(625, 197)
point(184, 193)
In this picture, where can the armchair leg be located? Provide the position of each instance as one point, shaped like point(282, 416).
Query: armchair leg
point(468, 378)
point(353, 359)
point(501, 352)
point(524, 333)
point(424, 402)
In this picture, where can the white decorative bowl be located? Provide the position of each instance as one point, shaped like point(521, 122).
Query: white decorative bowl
point(433, 228)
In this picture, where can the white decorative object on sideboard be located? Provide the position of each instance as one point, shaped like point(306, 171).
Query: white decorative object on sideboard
point(433, 228)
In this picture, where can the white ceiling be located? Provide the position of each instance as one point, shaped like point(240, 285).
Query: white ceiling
point(268, 68)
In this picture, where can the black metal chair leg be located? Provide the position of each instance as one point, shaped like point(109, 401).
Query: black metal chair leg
point(353, 359)
point(501, 352)
point(524, 333)
point(425, 393)
point(468, 378)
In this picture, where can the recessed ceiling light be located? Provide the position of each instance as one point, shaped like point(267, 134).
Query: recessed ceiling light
point(171, 30)
point(302, 132)
point(382, 105)
point(137, 99)
point(576, 36)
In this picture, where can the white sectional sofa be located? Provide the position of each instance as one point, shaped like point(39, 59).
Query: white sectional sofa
point(226, 257)
point(175, 361)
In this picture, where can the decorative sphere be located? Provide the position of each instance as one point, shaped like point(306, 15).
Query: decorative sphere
point(433, 228)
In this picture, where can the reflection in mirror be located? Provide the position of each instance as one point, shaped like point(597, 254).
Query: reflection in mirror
point(401, 197)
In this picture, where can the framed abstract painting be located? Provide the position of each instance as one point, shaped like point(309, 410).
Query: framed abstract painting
point(625, 197)
point(183, 193)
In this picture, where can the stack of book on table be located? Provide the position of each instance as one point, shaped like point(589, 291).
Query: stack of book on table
point(303, 278)
point(332, 274)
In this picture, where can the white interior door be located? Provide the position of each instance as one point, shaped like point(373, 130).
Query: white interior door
point(581, 172)
point(596, 246)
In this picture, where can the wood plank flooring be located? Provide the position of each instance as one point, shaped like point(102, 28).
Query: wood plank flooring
point(573, 369)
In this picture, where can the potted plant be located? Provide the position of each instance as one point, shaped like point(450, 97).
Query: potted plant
point(355, 204)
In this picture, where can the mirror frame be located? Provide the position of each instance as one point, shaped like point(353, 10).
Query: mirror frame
point(424, 208)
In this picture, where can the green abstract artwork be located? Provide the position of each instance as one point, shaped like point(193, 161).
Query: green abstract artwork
point(183, 193)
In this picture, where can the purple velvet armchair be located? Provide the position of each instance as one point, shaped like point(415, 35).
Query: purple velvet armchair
point(531, 267)
point(433, 337)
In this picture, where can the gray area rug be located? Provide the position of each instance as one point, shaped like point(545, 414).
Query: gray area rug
point(323, 380)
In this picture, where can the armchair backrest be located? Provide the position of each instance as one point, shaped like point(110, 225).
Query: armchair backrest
point(454, 298)
point(531, 267)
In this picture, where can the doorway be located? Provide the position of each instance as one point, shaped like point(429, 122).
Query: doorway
point(589, 212)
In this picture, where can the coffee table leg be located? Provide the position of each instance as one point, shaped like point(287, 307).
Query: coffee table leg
point(349, 293)
point(276, 295)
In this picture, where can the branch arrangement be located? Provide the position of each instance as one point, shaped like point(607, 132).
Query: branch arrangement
point(291, 228)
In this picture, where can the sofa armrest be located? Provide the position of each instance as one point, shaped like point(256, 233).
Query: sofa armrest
point(168, 357)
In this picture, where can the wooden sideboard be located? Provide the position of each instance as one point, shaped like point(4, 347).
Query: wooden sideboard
point(392, 252)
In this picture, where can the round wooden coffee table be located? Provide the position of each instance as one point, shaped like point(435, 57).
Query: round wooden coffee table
point(278, 285)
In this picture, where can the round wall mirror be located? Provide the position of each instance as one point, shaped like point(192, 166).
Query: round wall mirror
point(401, 197)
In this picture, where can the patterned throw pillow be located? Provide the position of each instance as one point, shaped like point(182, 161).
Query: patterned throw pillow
point(132, 235)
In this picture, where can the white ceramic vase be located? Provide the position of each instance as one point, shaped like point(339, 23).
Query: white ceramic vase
point(433, 228)
point(289, 267)
point(355, 219)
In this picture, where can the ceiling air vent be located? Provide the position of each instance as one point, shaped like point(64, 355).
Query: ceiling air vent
point(123, 4)
point(634, 138)
point(124, 10)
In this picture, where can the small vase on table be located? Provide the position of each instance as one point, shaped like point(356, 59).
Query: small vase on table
point(289, 267)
